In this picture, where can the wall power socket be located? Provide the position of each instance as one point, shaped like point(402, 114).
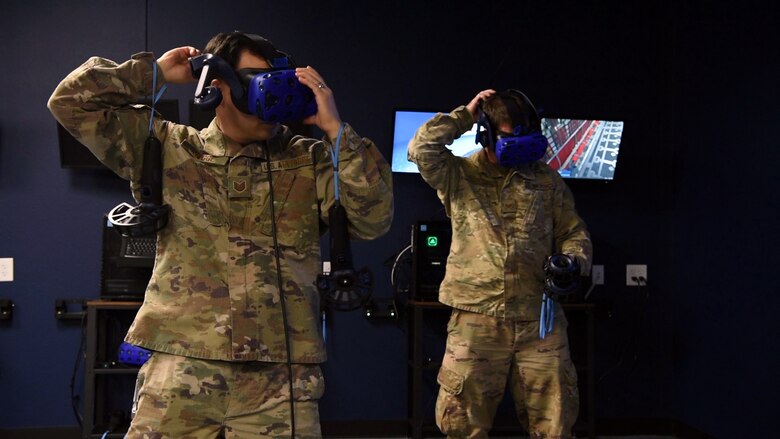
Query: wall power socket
point(636, 275)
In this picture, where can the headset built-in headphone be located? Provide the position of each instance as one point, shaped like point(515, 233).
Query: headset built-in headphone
point(525, 144)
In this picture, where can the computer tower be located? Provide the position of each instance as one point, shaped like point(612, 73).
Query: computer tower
point(126, 264)
point(430, 248)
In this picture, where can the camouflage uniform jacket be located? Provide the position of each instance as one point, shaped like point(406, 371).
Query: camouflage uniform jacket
point(213, 293)
point(505, 222)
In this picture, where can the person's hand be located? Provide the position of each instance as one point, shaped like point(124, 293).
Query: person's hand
point(327, 117)
point(175, 65)
point(474, 104)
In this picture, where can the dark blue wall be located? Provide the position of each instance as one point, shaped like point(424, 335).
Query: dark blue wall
point(726, 227)
point(693, 196)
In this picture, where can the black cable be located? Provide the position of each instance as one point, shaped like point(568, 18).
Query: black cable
point(394, 262)
point(146, 26)
point(397, 259)
point(282, 297)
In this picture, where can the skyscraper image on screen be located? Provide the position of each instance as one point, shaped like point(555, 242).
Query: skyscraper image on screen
point(586, 149)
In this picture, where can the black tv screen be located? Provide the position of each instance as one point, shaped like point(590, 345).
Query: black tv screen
point(578, 148)
point(75, 155)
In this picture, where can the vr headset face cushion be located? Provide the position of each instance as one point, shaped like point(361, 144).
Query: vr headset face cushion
point(512, 151)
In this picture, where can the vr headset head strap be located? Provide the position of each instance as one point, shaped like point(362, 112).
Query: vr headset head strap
point(515, 115)
point(484, 129)
point(529, 106)
point(207, 67)
point(276, 58)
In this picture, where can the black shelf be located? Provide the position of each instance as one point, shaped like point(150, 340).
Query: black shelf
point(108, 385)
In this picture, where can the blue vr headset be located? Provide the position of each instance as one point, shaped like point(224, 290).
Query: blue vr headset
point(273, 95)
point(525, 145)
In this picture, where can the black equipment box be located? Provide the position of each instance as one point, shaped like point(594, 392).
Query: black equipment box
point(126, 264)
point(430, 248)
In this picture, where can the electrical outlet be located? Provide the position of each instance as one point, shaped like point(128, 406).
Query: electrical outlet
point(633, 273)
point(597, 274)
point(6, 269)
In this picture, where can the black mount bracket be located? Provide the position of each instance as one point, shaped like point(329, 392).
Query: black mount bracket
point(380, 308)
point(64, 309)
point(6, 309)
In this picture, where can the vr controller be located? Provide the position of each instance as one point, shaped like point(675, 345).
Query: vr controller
point(343, 289)
point(562, 275)
point(151, 215)
point(133, 355)
point(273, 95)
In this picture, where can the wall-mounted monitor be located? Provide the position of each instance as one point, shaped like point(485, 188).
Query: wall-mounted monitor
point(579, 148)
point(583, 148)
point(75, 155)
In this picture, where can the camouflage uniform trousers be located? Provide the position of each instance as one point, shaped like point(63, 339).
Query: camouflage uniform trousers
point(481, 351)
point(188, 398)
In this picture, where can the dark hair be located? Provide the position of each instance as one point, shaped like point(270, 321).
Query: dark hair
point(229, 45)
point(513, 108)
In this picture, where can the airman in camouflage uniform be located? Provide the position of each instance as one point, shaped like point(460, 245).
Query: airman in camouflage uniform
point(212, 310)
point(505, 223)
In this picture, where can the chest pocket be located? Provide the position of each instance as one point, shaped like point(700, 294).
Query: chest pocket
point(476, 202)
point(283, 184)
point(526, 208)
point(295, 209)
point(194, 189)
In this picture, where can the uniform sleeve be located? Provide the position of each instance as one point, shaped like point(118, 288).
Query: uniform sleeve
point(365, 184)
point(428, 150)
point(94, 103)
point(571, 233)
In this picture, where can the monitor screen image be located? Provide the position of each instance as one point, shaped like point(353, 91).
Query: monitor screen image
point(407, 123)
point(581, 148)
point(578, 148)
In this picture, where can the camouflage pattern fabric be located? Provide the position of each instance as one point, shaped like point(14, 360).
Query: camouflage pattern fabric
point(505, 222)
point(482, 351)
point(213, 293)
point(187, 398)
